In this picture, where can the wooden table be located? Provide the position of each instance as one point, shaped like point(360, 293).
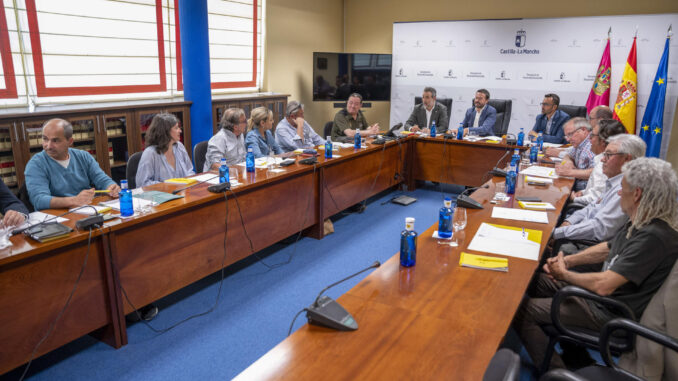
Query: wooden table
point(433, 321)
point(181, 242)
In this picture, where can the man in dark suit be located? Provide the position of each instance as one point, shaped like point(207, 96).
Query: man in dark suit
point(551, 120)
point(14, 211)
point(481, 117)
point(426, 112)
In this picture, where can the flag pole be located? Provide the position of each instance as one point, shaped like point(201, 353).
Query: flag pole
point(609, 31)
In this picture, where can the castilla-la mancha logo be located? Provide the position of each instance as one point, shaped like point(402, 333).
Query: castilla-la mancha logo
point(521, 36)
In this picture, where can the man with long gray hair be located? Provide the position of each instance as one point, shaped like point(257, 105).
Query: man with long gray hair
point(636, 261)
point(293, 132)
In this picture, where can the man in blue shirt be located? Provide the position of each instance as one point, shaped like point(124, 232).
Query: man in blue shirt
point(60, 177)
point(481, 117)
point(293, 132)
point(551, 120)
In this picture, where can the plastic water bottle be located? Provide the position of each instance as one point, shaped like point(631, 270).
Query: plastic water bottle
point(540, 141)
point(515, 160)
point(511, 180)
point(357, 140)
point(328, 147)
point(249, 160)
point(534, 152)
point(223, 172)
point(521, 137)
point(460, 131)
point(445, 219)
point(408, 244)
point(433, 129)
point(126, 203)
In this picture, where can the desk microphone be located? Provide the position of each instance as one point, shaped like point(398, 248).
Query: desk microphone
point(499, 172)
point(326, 312)
point(192, 185)
point(467, 202)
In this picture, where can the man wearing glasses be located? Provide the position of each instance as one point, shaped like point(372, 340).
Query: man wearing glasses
point(293, 132)
point(550, 121)
point(578, 161)
point(229, 142)
point(426, 112)
point(600, 220)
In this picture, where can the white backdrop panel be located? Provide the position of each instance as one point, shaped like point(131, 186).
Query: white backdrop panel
point(558, 56)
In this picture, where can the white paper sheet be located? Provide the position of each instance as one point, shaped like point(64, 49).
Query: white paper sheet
point(520, 215)
point(542, 180)
point(38, 217)
point(539, 171)
point(491, 239)
point(89, 210)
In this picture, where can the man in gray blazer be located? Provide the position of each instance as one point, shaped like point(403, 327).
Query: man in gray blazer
point(426, 112)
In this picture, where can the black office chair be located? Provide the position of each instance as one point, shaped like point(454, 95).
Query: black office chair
point(199, 152)
point(503, 107)
point(132, 166)
point(23, 197)
point(573, 111)
point(447, 102)
point(504, 366)
point(327, 131)
point(611, 371)
point(557, 332)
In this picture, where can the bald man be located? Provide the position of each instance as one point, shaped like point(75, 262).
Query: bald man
point(61, 177)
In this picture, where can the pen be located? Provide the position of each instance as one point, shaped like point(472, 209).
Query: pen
point(523, 232)
point(101, 191)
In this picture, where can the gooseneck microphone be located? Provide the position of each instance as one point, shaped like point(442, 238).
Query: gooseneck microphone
point(326, 312)
point(192, 185)
point(500, 172)
point(465, 201)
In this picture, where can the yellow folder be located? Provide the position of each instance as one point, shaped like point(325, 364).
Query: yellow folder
point(181, 181)
point(483, 262)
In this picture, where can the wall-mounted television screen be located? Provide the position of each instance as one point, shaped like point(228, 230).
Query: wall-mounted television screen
point(337, 75)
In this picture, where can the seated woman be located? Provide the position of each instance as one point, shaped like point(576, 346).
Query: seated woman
point(165, 156)
point(259, 136)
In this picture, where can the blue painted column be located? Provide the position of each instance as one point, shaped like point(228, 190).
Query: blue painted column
point(195, 59)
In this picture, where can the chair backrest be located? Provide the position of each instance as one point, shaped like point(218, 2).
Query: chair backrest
point(132, 166)
point(328, 129)
point(503, 107)
point(573, 111)
point(199, 152)
point(23, 197)
point(446, 101)
point(504, 366)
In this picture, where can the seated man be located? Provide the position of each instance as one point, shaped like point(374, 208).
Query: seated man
point(578, 161)
point(595, 186)
point(600, 221)
point(481, 117)
point(228, 142)
point(293, 132)
point(426, 112)
point(61, 177)
point(597, 113)
point(550, 121)
point(350, 119)
point(636, 261)
point(14, 211)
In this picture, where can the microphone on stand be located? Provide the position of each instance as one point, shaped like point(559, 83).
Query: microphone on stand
point(467, 202)
point(192, 185)
point(497, 171)
point(326, 312)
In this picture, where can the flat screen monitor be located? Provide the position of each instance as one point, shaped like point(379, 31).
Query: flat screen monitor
point(337, 75)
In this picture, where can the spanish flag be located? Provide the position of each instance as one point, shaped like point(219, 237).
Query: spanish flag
point(625, 106)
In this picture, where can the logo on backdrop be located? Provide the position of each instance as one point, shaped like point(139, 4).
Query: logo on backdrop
point(503, 76)
point(532, 76)
point(521, 38)
point(562, 78)
point(424, 73)
point(401, 73)
point(451, 74)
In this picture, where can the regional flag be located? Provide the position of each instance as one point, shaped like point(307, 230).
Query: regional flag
point(600, 91)
point(653, 119)
point(625, 106)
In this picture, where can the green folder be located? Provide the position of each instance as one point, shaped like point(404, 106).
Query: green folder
point(157, 196)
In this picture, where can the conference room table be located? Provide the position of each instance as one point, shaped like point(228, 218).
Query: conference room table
point(135, 261)
point(435, 320)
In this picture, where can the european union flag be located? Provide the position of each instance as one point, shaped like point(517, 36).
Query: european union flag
point(653, 119)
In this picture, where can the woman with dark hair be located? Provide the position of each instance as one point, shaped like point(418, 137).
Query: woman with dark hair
point(165, 156)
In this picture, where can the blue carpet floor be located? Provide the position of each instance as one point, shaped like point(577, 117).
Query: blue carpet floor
point(256, 304)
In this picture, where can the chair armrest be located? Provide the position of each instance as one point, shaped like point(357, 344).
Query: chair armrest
point(635, 328)
point(574, 291)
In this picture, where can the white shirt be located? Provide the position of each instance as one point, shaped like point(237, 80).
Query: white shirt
point(428, 115)
point(476, 121)
point(596, 184)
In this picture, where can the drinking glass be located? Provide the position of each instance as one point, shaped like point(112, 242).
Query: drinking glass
point(459, 219)
point(5, 233)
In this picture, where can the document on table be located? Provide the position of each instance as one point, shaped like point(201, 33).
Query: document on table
point(507, 240)
point(536, 170)
point(38, 217)
point(520, 215)
point(137, 203)
point(541, 180)
point(91, 210)
point(263, 162)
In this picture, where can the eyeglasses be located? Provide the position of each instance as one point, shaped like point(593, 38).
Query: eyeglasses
point(592, 134)
point(608, 154)
point(546, 104)
point(572, 133)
